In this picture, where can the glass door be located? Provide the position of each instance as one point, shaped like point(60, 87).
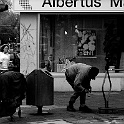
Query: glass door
point(46, 41)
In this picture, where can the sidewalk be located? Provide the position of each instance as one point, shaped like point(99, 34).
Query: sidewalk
point(57, 113)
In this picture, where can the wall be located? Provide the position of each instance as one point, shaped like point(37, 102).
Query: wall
point(117, 80)
point(28, 42)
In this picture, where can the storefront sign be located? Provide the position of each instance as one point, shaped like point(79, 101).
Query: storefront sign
point(68, 5)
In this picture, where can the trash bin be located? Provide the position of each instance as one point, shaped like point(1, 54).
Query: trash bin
point(40, 89)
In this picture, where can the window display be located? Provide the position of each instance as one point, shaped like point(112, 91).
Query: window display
point(86, 45)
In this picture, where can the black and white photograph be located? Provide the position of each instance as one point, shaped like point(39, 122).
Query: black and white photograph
point(62, 61)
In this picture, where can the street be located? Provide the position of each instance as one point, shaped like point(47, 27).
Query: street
point(57, 114)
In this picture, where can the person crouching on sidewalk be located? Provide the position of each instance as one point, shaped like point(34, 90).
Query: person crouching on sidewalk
point(79, 76)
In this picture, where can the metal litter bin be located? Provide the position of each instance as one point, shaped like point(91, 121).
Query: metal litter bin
point(40, 89)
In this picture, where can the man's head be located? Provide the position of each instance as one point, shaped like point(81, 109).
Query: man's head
point(42, 64)
point(93, 72)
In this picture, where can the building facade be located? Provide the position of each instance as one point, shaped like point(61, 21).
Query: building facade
point(61, 36)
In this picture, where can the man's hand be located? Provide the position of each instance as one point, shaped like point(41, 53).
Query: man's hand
point(86, 91)
point(90, 89)
point(82, 89)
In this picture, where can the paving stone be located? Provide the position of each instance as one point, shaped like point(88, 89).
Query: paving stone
point(59, 115)
point(58, 121)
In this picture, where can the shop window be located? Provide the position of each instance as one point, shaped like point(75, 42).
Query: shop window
point(46, 41)
point(65, 37)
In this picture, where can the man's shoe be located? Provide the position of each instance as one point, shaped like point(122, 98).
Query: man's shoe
point(71, 109)
point(85, 109)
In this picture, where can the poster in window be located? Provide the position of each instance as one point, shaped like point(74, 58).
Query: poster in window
point(86, 44)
